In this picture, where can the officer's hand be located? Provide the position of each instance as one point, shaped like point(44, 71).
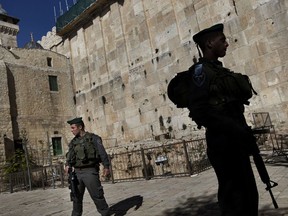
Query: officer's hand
point(106, 172)
point(67, 168)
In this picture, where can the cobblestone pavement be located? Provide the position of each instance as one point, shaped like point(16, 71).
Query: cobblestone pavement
point(169, 196)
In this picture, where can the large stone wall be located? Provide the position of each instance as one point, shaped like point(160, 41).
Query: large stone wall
point(124, 57)
point(5, 126)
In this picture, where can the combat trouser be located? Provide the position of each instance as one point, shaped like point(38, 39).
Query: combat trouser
point(89, 178)
point(237, 192)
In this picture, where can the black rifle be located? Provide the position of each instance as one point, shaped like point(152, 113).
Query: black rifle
point(265, 176)
point(261, 168)
point(73, 182)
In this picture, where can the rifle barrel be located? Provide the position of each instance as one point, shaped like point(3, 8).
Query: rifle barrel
point(265, 176)
point(273, 199)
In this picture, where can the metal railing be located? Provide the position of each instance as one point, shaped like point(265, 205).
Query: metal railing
point(41, 177)
point(176, 159)
point(73, 13)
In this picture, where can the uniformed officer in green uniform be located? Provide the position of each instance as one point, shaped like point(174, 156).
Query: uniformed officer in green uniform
point(229, 139)
point(85, 154)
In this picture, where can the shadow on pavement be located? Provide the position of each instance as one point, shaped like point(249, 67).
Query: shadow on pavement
point(278, 161)
point(269, 211)
point(204, 206)
point(121, 208)
point(207, 206)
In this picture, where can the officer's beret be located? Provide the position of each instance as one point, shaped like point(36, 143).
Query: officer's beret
point(75, 121)
point(215, 28)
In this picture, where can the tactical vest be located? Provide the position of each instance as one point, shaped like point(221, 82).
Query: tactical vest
point(83, 151)
point(235, 86)
point(215, 89)
point(208, 87)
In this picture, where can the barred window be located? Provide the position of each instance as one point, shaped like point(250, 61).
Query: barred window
point(57, 146)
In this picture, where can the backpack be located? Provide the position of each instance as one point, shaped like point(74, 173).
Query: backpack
point(238, 85)
point(178, 89)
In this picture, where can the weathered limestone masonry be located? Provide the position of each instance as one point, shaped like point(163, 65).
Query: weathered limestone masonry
point(124, 57)
point(28, 104)
point(8, 29)
point(6, 125)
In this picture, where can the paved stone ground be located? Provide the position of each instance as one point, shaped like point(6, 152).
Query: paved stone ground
point(169, 196)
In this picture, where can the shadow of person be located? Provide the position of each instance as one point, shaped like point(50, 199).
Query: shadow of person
point(194, 206)
point(121, 208)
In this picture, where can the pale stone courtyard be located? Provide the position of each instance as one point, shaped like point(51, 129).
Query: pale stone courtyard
point(170, 196)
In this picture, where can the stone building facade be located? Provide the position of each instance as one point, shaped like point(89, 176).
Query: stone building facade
point(125, 52)
point(36, 101)
point(36, 98)
point(112, 63)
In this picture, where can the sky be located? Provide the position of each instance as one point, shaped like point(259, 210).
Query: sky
point(36, 16)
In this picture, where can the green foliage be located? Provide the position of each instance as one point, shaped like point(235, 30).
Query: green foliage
point(17, 163)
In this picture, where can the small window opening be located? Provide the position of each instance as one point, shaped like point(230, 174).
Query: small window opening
point(53, 83)
point(49, 62)
point(57, 146)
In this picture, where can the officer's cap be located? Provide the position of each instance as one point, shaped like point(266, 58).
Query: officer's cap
point(215, 28)
point(75, 121)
